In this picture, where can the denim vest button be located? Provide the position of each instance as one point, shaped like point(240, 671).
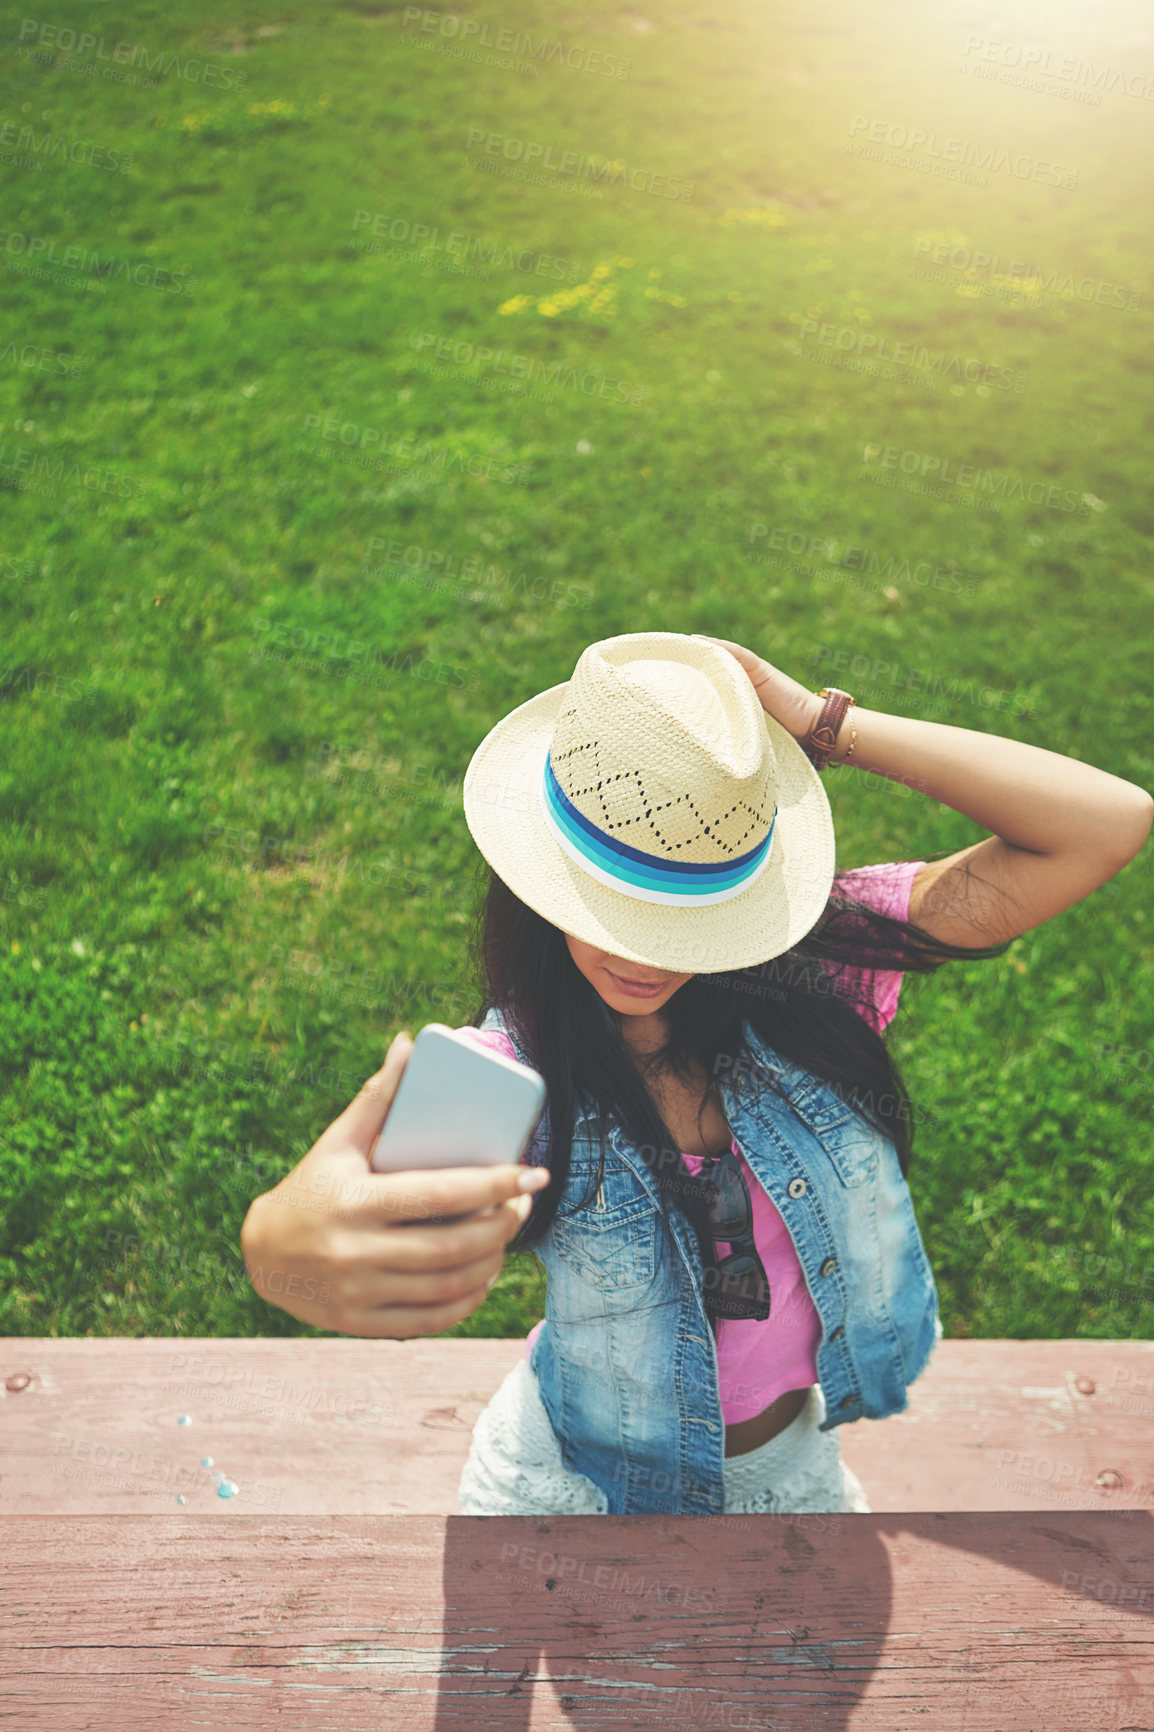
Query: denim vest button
point(796, 1188)
point(836, 1334)
point(847, 1400)
point(828, 1266)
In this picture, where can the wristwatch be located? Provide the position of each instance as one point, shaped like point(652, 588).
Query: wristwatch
point(822, 737)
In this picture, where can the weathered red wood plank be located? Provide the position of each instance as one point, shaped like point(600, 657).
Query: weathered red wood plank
point(302, 1427)
point(378, 1427)
point(1016, 1425)
point(879, 1623)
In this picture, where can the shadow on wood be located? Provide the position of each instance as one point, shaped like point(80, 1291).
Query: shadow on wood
point(813, 1623)
point(1027, 1622)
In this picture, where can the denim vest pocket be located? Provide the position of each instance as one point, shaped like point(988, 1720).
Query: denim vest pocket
point(612, 1242)
point(851, 1142)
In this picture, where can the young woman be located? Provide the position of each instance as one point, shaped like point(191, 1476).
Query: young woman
point(734, 1266)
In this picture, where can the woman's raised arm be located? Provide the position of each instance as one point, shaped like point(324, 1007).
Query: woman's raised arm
point(1061, 828)
point(366, 1253)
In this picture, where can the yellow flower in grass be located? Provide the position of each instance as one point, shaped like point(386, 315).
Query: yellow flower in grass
point(599, 294)
point(564, 299)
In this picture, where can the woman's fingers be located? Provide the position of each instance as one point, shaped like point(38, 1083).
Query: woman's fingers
point(749, 661)
point(790, 703)
point(365, 1286)
point(408, 1322)
point(389, 1254)
point(432, 1194)
point(420, 1250)
point(363, 1119)
point(355, 1277)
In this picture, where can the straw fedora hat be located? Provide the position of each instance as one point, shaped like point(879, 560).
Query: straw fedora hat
point(650, 807)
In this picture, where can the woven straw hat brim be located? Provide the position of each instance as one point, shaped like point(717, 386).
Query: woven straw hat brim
point(503, 809)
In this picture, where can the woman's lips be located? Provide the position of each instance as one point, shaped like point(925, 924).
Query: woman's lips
point(636, 988)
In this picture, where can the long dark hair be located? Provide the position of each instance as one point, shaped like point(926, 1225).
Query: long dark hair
point(802, 1012)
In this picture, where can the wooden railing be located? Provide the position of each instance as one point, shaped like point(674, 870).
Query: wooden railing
point(1005, 1580)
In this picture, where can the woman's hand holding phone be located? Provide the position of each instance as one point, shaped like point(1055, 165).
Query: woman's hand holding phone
point(365, 1253)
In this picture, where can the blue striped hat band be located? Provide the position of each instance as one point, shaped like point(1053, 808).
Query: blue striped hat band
point(648, 877)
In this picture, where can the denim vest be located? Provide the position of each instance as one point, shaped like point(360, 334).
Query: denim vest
point(626, 1362)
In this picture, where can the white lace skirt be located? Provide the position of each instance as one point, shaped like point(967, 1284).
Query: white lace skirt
point(515, 1467)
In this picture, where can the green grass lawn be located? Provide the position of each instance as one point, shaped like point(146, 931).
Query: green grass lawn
point(325, 439)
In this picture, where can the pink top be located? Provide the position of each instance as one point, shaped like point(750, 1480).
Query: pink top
point(759, 1361)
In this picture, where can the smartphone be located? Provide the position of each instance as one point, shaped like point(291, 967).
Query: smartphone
point(458, 1105)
